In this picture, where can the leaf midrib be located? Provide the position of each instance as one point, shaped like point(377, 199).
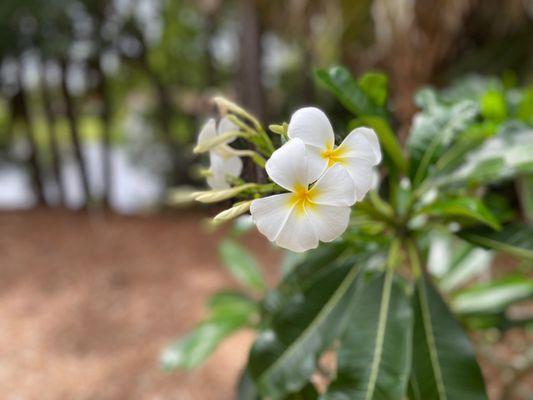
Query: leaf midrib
point(382, 325)
point(341, 290)
point(433, 352)
point(502, 246)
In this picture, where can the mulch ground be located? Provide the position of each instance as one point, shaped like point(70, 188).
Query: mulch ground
point(87, 302)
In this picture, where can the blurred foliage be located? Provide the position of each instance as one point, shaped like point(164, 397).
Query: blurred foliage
point(148, 68)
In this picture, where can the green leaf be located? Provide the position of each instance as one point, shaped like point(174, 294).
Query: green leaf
point(375, 84)
point(515, 238)
point(232, 303)
point(340, 82)
point(466, 144)
point(308, 392)
point(525, 193)
point(374, 357)
point(229, 311)
point(285, 353)
point(444, 363)
point(456, 262)
point(465, 207)
point(501, 157)
point(193, 349)
point(241, 264)
point(433, 131)
point(525, 108)
point(246, 389)
point(493, 105)
point(387, 138)
point(315, 265)
point(493, 297)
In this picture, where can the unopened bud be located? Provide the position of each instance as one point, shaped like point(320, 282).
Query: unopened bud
point(180, 196)
point(214, 196)
point(216, 141)
point(232, 212)
point(224, 105)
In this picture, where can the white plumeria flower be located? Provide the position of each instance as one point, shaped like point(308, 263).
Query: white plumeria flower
point(358, 153)
point(222, 158)
point(308, 214)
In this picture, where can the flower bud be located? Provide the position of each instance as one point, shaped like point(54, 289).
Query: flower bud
point(216, 141)
point(224, 105)
point(232, 212)
point(214, 196)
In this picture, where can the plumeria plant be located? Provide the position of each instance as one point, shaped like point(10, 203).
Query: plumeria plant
point(359, 312)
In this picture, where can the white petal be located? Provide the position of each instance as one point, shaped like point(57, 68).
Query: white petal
point(316, 164)
point(217, 182)
point(298, 233)
point(362, 176)
point(287, 166)
point(208, 132)
point(329, 222)
point(220, 168)
point(312, 126)
point(226, 125)
point(334, 188)
point(362, 143)
point(270, 214)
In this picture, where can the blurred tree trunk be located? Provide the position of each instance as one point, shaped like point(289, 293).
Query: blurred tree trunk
point(105, 114)
point(52, 135)
point(21, 103)
point(74, 134)
point(250, 88)
point(210, 30)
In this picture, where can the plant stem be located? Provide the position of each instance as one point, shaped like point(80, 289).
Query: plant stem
point(414, 257)
point(392, 260)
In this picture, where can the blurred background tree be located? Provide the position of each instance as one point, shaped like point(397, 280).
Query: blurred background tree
point(106, 76)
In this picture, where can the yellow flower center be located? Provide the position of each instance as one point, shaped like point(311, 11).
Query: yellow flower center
point(302, 198)
point(333, 155)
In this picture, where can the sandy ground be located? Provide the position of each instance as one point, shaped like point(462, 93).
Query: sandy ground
point(86, 304)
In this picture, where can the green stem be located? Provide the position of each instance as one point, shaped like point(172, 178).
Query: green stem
point(414, 257)
point(392, 260)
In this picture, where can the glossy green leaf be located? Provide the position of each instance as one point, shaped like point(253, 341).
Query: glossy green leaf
point(232, 303)
point(525, 108)
point(444, 363)
point(285, 353)
point(387, 138)
point(493, 297)
point(467, 143)
point(340, 82)
point(464, 207)
point(433, 131)
point(228, 312)
point(515, 238)
point(241, 264)
point(525, 192)
point(246, 389)
point(493, 105)
point(375, 85)
point(308, 392)
point(374, 357)
point(500, 157)
point(193, 349)
point(455, 262)
point(311, 269)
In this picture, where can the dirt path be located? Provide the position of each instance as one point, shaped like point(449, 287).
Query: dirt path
point(86, 304)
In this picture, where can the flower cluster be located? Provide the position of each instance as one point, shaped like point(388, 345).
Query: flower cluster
point(314, 182)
